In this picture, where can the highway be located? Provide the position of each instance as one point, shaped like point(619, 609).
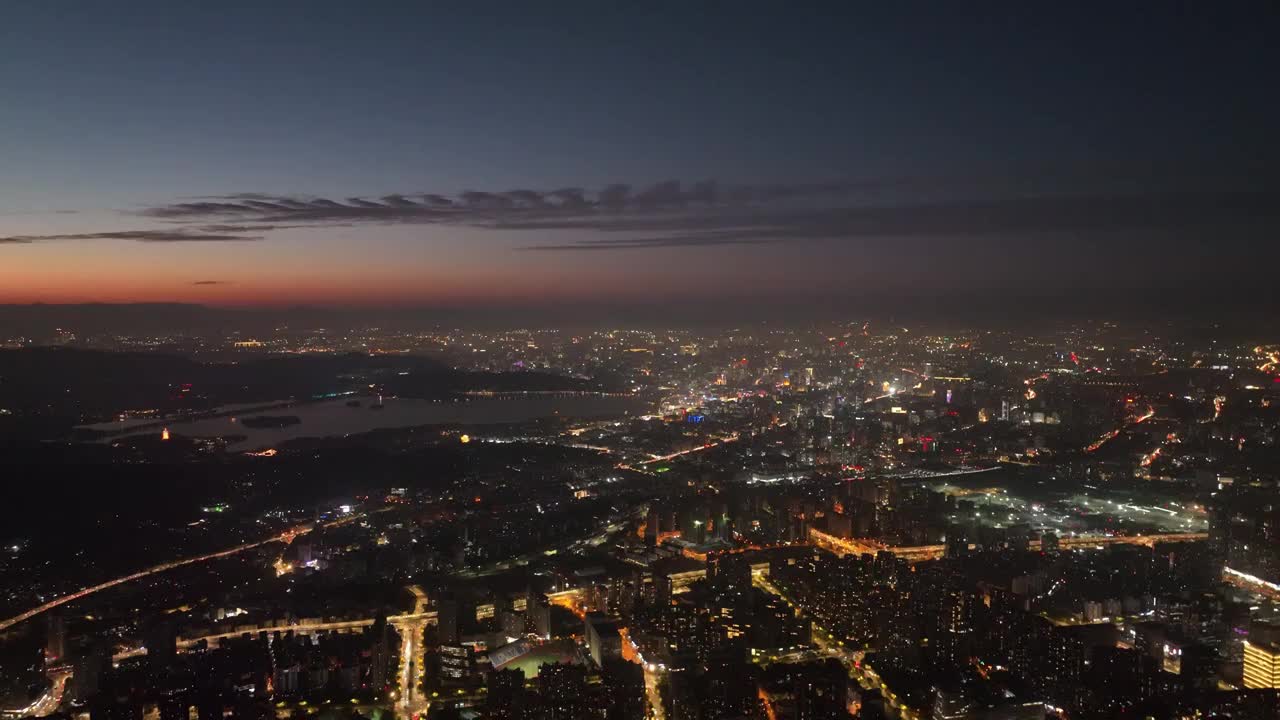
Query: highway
point(1252, 583)
point(410, 625)
point(421, 616)
point(1113, 434)
point(663, 458)
point(917, 553)
point(285, 537)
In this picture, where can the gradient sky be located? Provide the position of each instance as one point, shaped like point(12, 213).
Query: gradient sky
point(401, 153)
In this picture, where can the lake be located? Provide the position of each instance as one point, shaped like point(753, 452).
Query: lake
point(331, 418)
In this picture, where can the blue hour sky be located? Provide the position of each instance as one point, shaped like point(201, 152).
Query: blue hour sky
point(450, 153)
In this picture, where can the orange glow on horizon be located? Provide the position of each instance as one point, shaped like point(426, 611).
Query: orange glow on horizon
point(84, 285)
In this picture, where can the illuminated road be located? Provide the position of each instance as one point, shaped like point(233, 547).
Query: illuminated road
point(653, 673)
point(412, 668)
point(1151, 457)
point(844, 546)
point(84, 592)
point(409, 699)
point(893, 392)
point(700, 448)
point(48, 703)
point(1271, 359)
point(1112, 435)
point(826, 645)
point(424, 618)
point(1251, 583)
point(409, 677)
point(653, 676)
point(917, 553)
point(285, 537)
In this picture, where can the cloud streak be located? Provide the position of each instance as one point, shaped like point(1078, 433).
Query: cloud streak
point(238, 229)
point(487, 207)
point(672, 214)
point(180, 235)
point(1173, 216)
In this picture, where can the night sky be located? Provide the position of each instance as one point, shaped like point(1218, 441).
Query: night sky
point(454, 154)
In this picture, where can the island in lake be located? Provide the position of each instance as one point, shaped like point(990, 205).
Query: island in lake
point(271, 421)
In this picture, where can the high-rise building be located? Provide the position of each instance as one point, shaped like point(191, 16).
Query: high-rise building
point(512, 622)
point(729, 573)
point(955, 630)
point(729, 690)
point(457, 662)
point(447, 620)
point(540, 615)
point(92, 662)
point(625, 690)
point(161, 641)
point(55, 649)
point(957, 705)
point(562, 689)
point(603, 638)
point(383, 655)
point(1261, 665)
point(662, 591)
point(1062, 666)
point(505, 697)
point(820, 691)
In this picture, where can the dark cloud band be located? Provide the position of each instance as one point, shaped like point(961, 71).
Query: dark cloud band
point(146, 236)
point(675, 215)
